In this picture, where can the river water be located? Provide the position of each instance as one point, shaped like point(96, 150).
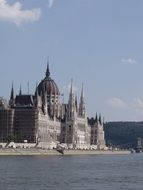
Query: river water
point(90, 172)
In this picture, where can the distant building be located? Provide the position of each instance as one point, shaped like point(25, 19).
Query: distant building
point(97, 132)
point(139, 143)
point(42, 119)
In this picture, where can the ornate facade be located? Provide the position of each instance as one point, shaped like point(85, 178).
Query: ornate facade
point(41, 119)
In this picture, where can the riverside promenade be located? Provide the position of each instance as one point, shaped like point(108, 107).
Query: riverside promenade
point(41, 152)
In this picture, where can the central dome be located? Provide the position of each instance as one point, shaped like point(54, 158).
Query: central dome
point(48, 85)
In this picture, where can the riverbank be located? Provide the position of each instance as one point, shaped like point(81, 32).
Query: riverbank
point(34, 152)
point(92, 152)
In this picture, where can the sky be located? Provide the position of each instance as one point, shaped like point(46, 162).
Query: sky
point(95, 42)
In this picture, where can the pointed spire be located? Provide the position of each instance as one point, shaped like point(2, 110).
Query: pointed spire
point(82, 104)
point(20, 91)
point(71, 88)
point(82, 92)
point(71, 102)
point(48, 70)
point(71, 95)
point(76, 102)
point(100, 121)
point(12, 93)
point(12, 100)
point(96, 118)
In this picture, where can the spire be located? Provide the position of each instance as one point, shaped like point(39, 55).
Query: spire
point(82, 104)
point(71, 95)
point(12, 93)
point(20, 91)
point(82, 92)
point(100, 121)
point(12, 100)
point(48, 70)
point(76, 101)
point(96, 118)
point(71, 102)
point(71, 88)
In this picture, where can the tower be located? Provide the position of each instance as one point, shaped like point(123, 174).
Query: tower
point(96, 118)
point(76, 103)
point(100, 134)
point(20, 91)
point(12, 99)
point(71, 104)
point(48, 86)
point(82, 104)
point(48, 70)
point(100, 120)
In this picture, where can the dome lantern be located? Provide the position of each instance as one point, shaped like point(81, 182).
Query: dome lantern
point(48, 85)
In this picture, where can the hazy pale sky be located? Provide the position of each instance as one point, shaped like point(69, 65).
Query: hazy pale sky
point(97, 42)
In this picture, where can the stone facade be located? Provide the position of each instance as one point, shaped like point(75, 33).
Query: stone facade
point(75, 132)
point(97, 139)
point(41, 119)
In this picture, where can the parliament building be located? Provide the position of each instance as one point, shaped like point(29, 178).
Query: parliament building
point(41, 120)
